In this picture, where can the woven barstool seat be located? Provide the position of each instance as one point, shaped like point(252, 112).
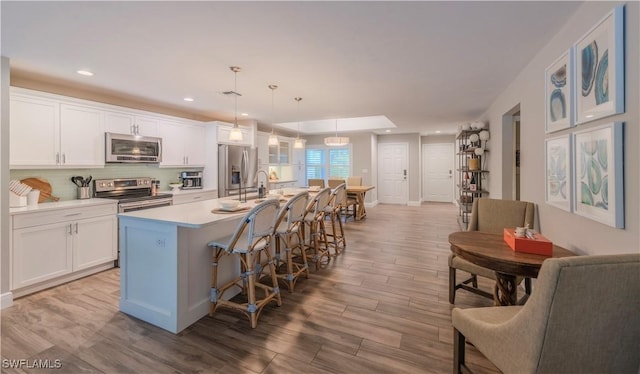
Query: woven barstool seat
point(288, 238)
point(251, 237)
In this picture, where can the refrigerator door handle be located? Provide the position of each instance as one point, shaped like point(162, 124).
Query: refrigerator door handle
point(243, 166)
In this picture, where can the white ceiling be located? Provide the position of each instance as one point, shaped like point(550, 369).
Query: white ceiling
point(425, 66)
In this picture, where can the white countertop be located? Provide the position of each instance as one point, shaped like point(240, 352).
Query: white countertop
point(194, 215)
point(66, 204)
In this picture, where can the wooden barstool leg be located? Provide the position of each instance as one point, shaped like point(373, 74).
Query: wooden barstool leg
point(217, 252)
point(274, 279)
point(250, 280)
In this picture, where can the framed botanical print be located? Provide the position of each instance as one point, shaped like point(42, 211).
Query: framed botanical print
point(558, 172)
point(599, 69)
point(598, 174)
point(559, 93)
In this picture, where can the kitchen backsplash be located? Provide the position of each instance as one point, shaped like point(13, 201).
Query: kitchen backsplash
point(62, 187)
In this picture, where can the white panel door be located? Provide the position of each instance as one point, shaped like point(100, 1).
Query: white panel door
point(437, 181)
point(393, 185)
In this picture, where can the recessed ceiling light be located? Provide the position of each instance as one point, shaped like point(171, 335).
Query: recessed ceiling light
point(188, 99)
point(387, 130)
point(244, 114)
point(438, 131)
point(85, 72)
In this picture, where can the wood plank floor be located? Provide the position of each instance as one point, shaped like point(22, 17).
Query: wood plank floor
point(380, 307)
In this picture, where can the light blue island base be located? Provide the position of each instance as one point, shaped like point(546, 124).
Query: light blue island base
point(165, 274)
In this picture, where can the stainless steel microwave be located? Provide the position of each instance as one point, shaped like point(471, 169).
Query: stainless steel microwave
point(132, 148)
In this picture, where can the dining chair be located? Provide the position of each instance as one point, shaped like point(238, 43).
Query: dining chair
point(352, 198)
point(354, 181)
point(251, 237)
point(288, 238)
point(316, 182)
point(583, 317)
point(489, 215)
point(335, 182)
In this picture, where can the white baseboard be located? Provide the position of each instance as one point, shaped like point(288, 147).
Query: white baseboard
point(371, 204)
point(6, 300)
point(413, 203)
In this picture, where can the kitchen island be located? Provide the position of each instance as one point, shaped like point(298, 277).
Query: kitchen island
point(165, 275)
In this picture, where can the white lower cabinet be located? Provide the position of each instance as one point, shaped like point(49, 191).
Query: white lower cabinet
point(52, 246)
point(41, 253)
point(94, 242)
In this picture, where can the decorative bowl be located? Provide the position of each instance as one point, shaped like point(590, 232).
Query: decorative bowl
point(228, 204)
point(175, 186)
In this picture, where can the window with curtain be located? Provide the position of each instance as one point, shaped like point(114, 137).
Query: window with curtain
point(323, 162)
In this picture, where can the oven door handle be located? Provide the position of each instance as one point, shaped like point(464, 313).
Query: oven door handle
point(160, 202)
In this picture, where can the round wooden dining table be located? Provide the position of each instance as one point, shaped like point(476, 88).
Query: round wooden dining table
point(491, 251)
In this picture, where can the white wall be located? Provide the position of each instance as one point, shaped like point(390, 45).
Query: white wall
point(4, 175)
point(574, 232)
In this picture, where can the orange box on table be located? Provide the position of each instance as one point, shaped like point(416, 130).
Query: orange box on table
point(540, 245)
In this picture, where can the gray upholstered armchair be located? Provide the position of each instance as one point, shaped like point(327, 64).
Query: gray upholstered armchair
point(488, 215)
point(583, 317)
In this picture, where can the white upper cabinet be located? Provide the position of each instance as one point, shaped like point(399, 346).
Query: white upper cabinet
point(34, 132)
point(45, 133)
point(81, 136)
point(248, 134)
point(182, 144)
point(52, 131)
point(125, 123)
point(263, 150)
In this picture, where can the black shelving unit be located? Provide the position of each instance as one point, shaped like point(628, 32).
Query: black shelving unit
point(466, 151)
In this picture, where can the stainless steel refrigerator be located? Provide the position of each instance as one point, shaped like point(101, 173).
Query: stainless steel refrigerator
point(237, 167)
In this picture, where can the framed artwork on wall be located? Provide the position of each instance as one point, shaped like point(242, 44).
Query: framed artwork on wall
point(558, 172)
point(599, 69)
point(598, 181)
point(559, 93)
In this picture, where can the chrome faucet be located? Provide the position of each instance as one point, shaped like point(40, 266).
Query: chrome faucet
point(266, 175)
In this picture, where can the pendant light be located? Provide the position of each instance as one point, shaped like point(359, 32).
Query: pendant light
point(298, 143)
point(235, 134)
point(273, 138)
point(336, 141)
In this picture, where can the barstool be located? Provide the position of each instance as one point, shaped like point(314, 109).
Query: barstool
point(288, 234)
point(334, 210)
point(314, 233)
point(251, 237)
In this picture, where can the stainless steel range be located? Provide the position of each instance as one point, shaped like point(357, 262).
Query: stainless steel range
point(131, 193)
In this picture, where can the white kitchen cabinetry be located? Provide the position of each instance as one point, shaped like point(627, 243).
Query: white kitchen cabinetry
point(182, 144)
point(125, 123)
point(183, 197)
point(280, 154)
point(263, 151)
point(299, 171)
point(81, 136)
point(34, 131)
point(45, 133)
point(224, 130)
point(53, 246)
point(281, 185)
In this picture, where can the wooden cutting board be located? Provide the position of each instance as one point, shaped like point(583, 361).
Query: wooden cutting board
point(43, 186)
